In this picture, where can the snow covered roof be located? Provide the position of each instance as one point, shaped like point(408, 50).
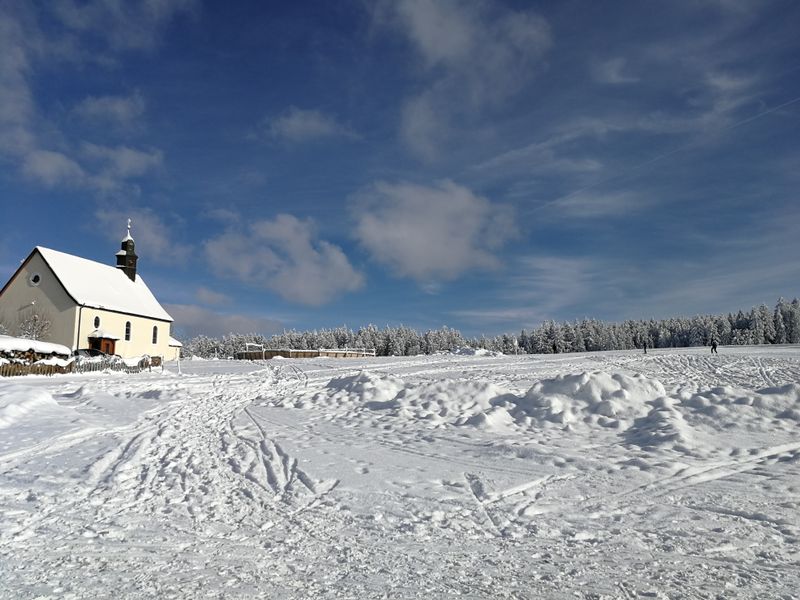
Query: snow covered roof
point(102, 334)
point(174, 343)
point(96, 285)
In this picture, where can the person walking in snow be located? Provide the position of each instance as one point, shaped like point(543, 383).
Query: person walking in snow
point(714, 347)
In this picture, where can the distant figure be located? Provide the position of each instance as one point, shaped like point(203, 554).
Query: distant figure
point(714, 347)
point(645, 347)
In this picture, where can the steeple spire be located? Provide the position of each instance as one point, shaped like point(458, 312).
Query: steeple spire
point(126, 257)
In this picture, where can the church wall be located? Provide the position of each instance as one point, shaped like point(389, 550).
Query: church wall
point(45, 296)
point(113, 323)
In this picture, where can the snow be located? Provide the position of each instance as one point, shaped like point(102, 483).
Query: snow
point(608, 475)
point(55, 362)
point(14, 344)
point(102, 333)
point(467, 351)
point(97, 285)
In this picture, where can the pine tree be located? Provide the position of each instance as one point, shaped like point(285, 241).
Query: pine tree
point(793, 322)
point(780, 327)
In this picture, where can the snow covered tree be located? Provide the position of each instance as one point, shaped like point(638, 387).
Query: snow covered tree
point(35, 325)
point(779, 324)
point(792, 319)
point(768, 323)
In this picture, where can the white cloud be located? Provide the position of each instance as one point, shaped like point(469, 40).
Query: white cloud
point(207, 296)
point(121, 162)
point(123, 24)
point(191, 321)
point(422, 128)
point(283, 255)
point(119, 110)
point(475, 55)
point(17, 109)
point(27, 137)
point(155, 240)
point(52, 168)
point(612, 71)
point(589, 205)
point(223, 215)
point(299, 125)
point(434, 233)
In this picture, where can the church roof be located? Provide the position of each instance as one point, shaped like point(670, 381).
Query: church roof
point(96, 285)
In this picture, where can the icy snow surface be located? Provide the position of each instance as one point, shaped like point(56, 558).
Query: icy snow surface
point(674, 474)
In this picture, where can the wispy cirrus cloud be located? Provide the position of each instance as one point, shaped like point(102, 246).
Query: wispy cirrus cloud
point(473, 56)
point(539, 288)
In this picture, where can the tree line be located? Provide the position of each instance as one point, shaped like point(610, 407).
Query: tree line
point(760, 325)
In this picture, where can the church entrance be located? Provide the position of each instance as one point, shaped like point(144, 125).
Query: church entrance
point(104, 345)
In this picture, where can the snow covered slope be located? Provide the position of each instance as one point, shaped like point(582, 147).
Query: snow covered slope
point(674, 474)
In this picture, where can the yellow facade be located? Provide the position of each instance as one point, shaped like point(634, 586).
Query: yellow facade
point(115, 324)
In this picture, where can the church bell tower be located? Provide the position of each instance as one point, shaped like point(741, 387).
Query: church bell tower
point(126, 257)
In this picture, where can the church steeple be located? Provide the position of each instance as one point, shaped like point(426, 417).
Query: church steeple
point(126, 257)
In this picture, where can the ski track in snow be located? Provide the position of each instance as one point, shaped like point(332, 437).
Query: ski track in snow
point(281, 479)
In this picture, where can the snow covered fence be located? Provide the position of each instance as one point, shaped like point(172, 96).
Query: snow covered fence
point(286, 353)
point(20, 356)
point(16, 369)
point(51, 367)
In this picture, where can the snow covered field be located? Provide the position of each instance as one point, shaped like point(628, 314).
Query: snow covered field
point(674, 474)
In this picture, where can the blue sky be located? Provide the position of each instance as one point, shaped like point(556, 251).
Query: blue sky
point(481, 165)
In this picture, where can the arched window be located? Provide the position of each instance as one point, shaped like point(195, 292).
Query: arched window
point(96, 322)
point(128, 331)
point(155, 334)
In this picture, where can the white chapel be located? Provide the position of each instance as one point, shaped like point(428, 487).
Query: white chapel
point(89, 305)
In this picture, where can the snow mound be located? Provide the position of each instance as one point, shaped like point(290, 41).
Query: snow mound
point(363, 388)
point(467, 351)
point(24, 404)
point(607, 399)
point(662, 427)
point(447, 401)
point(722, 407)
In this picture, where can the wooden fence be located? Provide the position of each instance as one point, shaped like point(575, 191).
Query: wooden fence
point(285, 353)
point(17, 369)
